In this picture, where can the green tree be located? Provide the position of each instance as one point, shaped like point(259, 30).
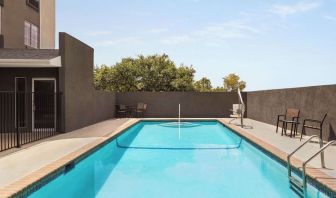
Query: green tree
point(156, 72)
point(184, 79)
point(103, 78)
point(219, 89)
point(150, 73)
point(232, 82)
point(203, 85)
point(124, 76)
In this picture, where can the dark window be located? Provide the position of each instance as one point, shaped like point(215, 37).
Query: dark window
point(20, 87)
point(34, 4)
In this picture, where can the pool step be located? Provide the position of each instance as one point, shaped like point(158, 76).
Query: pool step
point(296, 185)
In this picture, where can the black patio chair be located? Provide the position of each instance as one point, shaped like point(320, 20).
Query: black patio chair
point(122, 110)
point(313, 124)
point(141, 109)
point(290, 117)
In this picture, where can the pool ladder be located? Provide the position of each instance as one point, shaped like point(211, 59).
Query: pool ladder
point(300, 187)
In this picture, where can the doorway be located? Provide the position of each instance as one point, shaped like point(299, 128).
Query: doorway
point(44, 104)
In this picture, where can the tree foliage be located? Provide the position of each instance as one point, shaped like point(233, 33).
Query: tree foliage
point(203, 85)
point(150, 73)
point(184, 79)
point(156, 73)
point(232, 82)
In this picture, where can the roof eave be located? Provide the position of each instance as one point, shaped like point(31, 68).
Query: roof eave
point(31, 63)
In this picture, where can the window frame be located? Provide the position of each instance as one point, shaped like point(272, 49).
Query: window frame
point(32, 5)
point(30, 33)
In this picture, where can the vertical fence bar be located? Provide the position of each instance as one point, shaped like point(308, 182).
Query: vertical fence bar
point(1, 121)
point(16, 117)
point(9, 112)
point(29, 117)
point(17, 120)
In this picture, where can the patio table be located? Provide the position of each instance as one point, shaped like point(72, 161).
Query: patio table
point(293, 127)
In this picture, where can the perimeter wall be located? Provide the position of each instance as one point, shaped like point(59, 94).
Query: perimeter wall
point(193, 104)
point(313, 102)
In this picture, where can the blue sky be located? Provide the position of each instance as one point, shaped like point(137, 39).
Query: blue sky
point(269, 43)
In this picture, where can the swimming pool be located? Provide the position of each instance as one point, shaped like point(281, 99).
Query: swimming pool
point(155, 159)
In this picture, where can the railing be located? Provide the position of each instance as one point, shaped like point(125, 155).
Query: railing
point(308, 160)
point(297, 185)
point(289, 167)
point(28, 117)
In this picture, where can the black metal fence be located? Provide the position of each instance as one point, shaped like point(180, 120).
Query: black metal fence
point(27, 117)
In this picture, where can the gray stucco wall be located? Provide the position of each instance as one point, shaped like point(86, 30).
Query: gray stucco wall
point(14, 13)
point(313, 102)
point(104, 108)
point(193, 104)
point(83, 105)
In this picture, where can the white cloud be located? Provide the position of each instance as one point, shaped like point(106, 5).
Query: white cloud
point(120, 41)
point(286, 10)
point(331, 18)
point(231, 29)
point(99, 33)
point(213, 33)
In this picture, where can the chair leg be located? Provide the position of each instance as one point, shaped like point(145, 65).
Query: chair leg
point(303, 131)
point(276, 131)
point(291, 133)
point(283, 128)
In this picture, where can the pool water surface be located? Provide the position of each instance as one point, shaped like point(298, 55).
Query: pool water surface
point(155, 159)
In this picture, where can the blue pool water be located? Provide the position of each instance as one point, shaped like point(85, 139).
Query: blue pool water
point(152, 159)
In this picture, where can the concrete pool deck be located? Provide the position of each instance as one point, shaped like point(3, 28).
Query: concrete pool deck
point(16, 164)
point(279, 146)
point(267, 133)
point(26, 166)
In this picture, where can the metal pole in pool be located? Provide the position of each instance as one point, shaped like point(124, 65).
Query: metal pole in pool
point(179, 115)
point(179, 121)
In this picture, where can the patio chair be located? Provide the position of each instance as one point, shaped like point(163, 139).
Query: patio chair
point(141, 109)
point(290, 117)
point(122, 111)
point(313, 124)
point(236, 112)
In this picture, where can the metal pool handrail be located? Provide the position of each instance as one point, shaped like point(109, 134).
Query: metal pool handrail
point(304, 164)
point(292, 153)
point(242, 108)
